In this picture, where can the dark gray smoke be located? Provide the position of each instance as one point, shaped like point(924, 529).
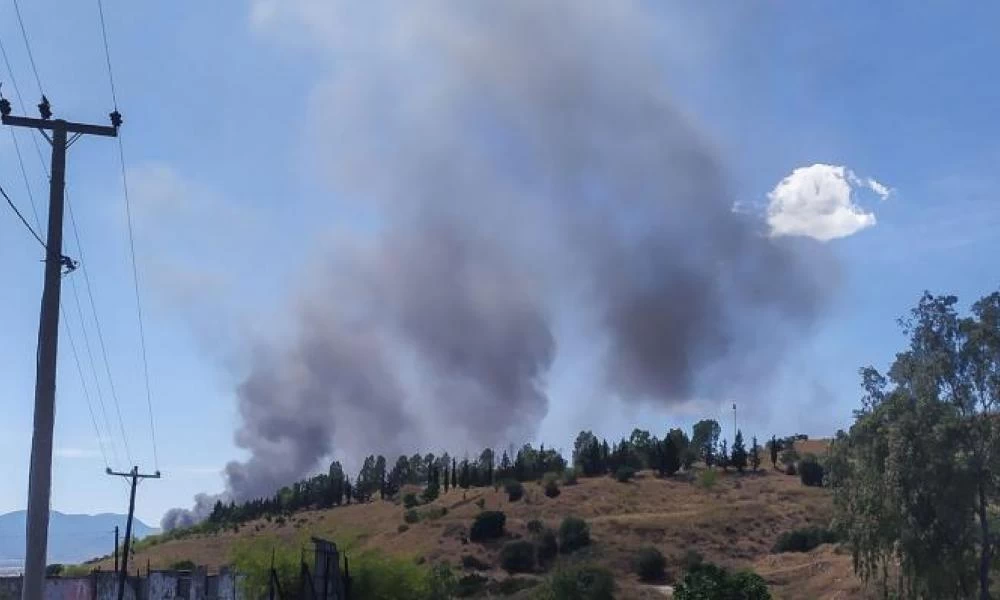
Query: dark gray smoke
point(182, 517)
point(518, 155)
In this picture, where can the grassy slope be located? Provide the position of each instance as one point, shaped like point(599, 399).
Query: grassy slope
point(734, 524)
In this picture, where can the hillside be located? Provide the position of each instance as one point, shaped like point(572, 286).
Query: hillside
point(734, 524)
point(72, 538)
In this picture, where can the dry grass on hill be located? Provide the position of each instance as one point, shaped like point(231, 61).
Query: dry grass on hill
point(734, 524)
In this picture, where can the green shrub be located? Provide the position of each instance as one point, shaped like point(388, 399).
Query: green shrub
point(432, 513)
point(518, 556)
point(790, 456)
point(441, 584)
point(580, 583)
point(403, 528)
point(487, 526)
point(472, 584)
point(410, 500)
point(535, 526)
point(411, 516)
point(252, 557)
point(624, 474)
point(511, 586)
point(691, 559)
point(471, 562)
point(552, 489)
point(804, 540)
point(182, 565)
point(514, 489)
point(481, 503)
point(790, 469)
point(574, 533)
point(707, 478)
point(569, 477)
point(378, 576)
point(547, 546)
point(650, 564)
point(53, 570)
point(431, 493)
point(707, 581)
point(811, 472)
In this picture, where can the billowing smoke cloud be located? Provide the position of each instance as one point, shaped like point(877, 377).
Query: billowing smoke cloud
point(181, 517)
point(517, 155)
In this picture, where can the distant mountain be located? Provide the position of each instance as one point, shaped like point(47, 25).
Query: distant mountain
point(72, 538)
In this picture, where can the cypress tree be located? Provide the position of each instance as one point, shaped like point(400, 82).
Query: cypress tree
point(447, 481)
point(775, 446)
point(454, 476)
point(739, 452)
point(754, 454)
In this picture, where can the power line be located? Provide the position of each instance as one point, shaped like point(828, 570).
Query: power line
point(100, 333)
point(107, 53)
point(131, 237)
point(83, 384)
point(27, 45)
point(21, 217)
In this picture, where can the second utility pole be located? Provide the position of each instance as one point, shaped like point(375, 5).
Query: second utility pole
point(135, 477)
point(40, 473)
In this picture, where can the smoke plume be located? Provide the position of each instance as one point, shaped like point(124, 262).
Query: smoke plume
point(517, 155)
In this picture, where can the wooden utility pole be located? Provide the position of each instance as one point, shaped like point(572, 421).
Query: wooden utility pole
point(40, 473)
point(134, 476)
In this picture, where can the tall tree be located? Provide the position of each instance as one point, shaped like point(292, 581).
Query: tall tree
point(454, 476)
point(705, 435)
point(916, 476)
point(739, 457)
point(670, 456)
point(754, 454)
point(723, 458)
point(774, 446)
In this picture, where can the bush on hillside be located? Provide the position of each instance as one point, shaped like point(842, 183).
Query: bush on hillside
point(514, 489)
point(552, 489)
point(470, 585)
point(535, 526)
point(182, 565)
point(711, 581)
point(569, 477)
point(410, 500)
point(547, 546)
point(804, 540)
point(790, 456)
point(488, 525)
point(624, 474)
point(650, 564)
point(691, 559)
point(811, 472)
point(790, 469)
point(707, 478)
point(403, 528)
point(411, 516)
point(431, 493)
point(472, 562)
point(579, 583)
point(574, 533)
point(518, 556)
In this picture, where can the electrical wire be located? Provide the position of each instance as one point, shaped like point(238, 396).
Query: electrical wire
point(23, 220)
point(27, 45)
point(131, 238)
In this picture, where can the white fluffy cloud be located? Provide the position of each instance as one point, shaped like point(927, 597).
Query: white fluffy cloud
point(818, 202)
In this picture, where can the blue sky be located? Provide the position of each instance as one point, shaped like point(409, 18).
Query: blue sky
point(231, 203)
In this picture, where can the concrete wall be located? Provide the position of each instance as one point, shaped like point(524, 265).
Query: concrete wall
point(158, 585)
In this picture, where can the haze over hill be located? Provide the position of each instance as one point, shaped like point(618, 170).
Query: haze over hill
point(72, 538)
